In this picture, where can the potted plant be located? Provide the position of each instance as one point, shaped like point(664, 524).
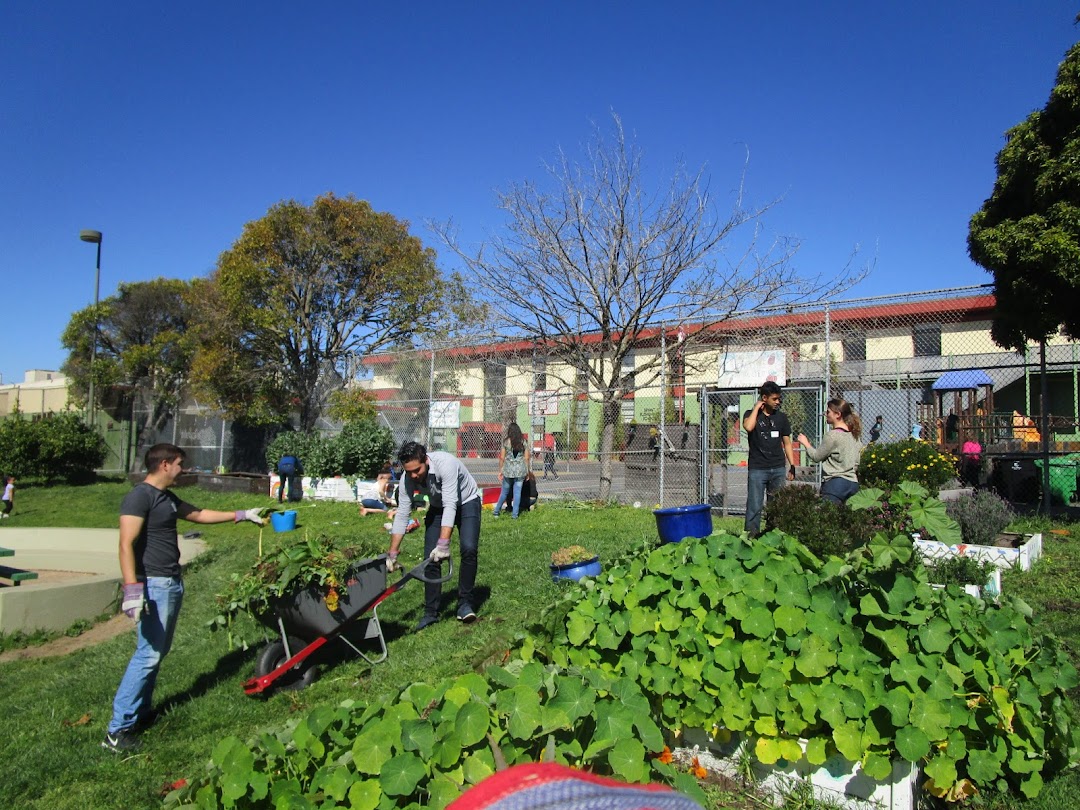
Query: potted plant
point(300, 574)
point(574, 562)
point(983, 517)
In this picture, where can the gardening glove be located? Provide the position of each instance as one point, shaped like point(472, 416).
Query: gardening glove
point(391, 562)
point(254, 515)
point(441, 552)
point(134, 601)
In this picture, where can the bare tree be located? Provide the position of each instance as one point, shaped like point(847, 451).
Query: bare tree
point(593, 264)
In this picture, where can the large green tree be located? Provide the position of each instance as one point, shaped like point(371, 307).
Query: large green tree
point(304, 292)
point(1028, 232)
point(143, 346)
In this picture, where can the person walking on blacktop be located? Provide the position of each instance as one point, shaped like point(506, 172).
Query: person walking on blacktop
point(153, 589)
point(453, 500)
point(771, 459)
point(549, 457)
point(513, 470)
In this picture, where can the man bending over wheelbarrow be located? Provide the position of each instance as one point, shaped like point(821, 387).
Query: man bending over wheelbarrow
point(453, 500)
point(153, 590)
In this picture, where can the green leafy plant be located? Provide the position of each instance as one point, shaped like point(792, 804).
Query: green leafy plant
point(981, 515)
point(288, 568)
point(822, 526)
point(569, 555)
point(360, 449)
point(959, 570)
point(434, 741)
point(886, 465)
point(60, 447)
point(907, 508)
point(856, 656)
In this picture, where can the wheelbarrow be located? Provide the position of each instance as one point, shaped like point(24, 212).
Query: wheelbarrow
point(306, 624)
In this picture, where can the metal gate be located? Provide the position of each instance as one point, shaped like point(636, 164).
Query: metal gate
point(724, 447)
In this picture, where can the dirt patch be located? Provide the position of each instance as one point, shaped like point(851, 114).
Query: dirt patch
point(103, 631)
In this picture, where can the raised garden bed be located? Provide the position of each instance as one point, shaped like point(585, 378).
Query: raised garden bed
point(1012, 550)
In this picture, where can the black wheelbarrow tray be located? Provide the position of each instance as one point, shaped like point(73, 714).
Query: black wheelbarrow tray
point(306, 624)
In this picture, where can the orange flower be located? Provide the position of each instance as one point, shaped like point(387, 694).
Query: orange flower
point(697, 770)
point(665, 755)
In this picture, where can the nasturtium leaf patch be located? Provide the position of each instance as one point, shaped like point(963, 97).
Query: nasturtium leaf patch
point(755, 656)
point(767, 750)
point(848, 740)
point(365, 795)
point(419, 736)
point(930, 716)
point(472, 723)
point(401, 774)
point(790, 619)
point(912, 743)
point(877, 766)
point(477, 768)
point(627, 760)
point(816, 658)
point(936, 635)
point(816, 751)
point(372, 748)
point(579, 629)
point(759, 623)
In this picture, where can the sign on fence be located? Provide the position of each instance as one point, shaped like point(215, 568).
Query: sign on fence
point(751, 369)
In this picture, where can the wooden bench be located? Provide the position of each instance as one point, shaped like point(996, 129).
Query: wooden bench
point(6, 552)
point(16, 575)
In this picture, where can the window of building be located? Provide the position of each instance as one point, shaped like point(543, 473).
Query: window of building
point(927, 338)
point(494, 379)
point(854, 348)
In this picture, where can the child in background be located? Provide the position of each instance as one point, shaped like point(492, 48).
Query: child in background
point(377, 497)
point(9, 495)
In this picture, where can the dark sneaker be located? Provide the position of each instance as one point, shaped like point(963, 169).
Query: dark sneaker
point(465, 613)
point(427, 621)
point(125, 739)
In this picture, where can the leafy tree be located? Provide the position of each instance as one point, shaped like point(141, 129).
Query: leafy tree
point(599, 262)
point(1028, 232)
point(352, 404)
point(143, 344)
point(362, 448)
point(303, 292)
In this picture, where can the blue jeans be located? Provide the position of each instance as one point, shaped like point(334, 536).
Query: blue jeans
point(838, 490)
point(153, 637)
point(758, 481)
point(468, 524)
point(507, 484)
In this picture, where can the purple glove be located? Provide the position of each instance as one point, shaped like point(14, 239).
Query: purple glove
point(441, 552)
point(134, 602)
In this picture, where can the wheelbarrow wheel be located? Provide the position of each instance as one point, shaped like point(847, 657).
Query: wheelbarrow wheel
point(274, 655)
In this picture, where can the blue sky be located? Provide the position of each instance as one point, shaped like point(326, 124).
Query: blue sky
point(168, 126)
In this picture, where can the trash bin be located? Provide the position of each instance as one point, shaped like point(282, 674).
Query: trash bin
point(1016, 479)
point(1062, 479)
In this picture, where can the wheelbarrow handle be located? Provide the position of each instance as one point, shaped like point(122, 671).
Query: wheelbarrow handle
point(419, 572)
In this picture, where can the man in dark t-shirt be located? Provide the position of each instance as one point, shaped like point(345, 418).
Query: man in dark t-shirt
point(771, 458)
point(153, 589)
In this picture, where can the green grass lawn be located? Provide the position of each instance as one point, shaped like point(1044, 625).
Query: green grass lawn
point(56, 709)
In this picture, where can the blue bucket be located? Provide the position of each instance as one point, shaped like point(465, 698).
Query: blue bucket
point(576, 571)
point(283, 521)
point(677, 522)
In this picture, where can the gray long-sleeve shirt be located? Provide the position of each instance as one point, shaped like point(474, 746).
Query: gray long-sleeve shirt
point(839, 455)
point(448, 485)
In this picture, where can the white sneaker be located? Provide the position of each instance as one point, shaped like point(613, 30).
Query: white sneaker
point(388, 526)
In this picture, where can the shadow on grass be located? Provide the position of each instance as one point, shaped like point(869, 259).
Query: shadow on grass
point(228, 668)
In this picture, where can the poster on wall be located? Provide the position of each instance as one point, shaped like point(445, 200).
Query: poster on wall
point(544, 403)
point(445, 415)
point(751, 368)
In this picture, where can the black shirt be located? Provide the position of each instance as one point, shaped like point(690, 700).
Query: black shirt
point(766, 440)
point(157, 550)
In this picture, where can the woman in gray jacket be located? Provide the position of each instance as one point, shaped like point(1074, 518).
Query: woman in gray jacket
point(839, 451)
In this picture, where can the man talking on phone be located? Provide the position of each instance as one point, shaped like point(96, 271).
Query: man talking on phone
point(771, 460)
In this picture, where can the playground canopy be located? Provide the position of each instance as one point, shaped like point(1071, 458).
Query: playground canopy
point(967, 380)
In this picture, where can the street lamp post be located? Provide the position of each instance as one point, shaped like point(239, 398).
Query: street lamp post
point(95, 237)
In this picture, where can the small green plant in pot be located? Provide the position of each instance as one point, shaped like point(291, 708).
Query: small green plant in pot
point(982, 516)
point(571, 555)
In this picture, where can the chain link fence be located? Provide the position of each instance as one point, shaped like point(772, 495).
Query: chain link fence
point(910, 364)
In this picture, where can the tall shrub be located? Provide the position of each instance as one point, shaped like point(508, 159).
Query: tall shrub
point(360, 449)
point(60, 447)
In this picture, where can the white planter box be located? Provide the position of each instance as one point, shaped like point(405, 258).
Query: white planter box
point(838, 780)
point(320, 489)
point(1021, 557)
